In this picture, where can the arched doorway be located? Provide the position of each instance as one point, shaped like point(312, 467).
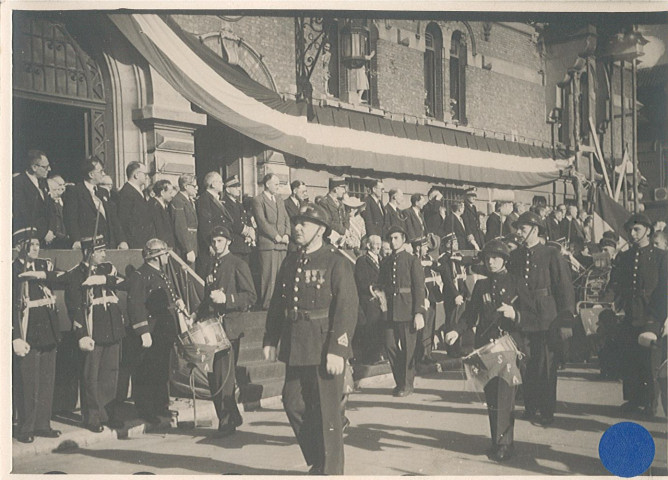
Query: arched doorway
point(61, 101)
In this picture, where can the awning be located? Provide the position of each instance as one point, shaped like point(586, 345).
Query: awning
point(255, 111)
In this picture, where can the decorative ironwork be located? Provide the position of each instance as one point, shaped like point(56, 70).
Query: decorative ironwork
point(98, 135)
point(486, 30)
point(310, 39)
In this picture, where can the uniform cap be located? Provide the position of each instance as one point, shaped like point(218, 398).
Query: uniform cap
point(24, 235)
point(434, 242)
point(420, 242)
point(472, 191)
point(336, 182)
point(640, 218)
point(395, 229)
point(312, 213)
point(529, 218)
point(88, 243)
point(607, 242)
point(220, 231)
point(154, 248)
point(233, 181)
point(496, 247)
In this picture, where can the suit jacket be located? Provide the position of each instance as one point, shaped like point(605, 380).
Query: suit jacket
point(572, 229)
point(135, 217)
point(414, 224)
point(366, 274)
point(57, 225)
point(374, 217)
point(272, 220)
point(553, 228)
point(453, 224)
point(210, 214)
point(162, 222)
point(508, 224)
point(394, 217)
point(494, 226)
point(291, 207)
point(29, 208)
point(433, 221)
point(337, 213)
point(233, 276)
point(472, 223)
point(79, 213)
point(402, 278)
point(184, 221)
point(236, 218)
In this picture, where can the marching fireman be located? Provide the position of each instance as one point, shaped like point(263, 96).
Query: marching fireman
point(500, 304)
point(640, 289)
point(153, 312)
point(401, 278)
point(228, 291)
point(99, 326)
point(313, 313)
point(35, 335)
point(547, 276)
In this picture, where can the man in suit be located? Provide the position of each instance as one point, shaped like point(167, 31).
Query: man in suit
point(553, 225)
point(163, 192)
point(454, 223)
point(496, 218)
point(394, 217)
point(184, 218)
point(228, 292)
point(333, 205)
point(368, 340)
point(55, 208)
point(273, 235)
point(134, 212)
point(30, 198)
point(414, 218)
point(297, 199)
point(236, 219)
point(571, 228)
point(471, 219)
point(81, 206)
point(434, 212)
point(518, 209)
point(374, 212)
point(210, 214)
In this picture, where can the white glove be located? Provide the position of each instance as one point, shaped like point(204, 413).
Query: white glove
point(95, 280)
point(459, 300)
point(146, 340)
point(507, 310)
point(180, 304)
point(21, 347)
point(123, 246)
point(190, 257)
point(48, 238)
point(335, 364)
point(33, 275)
point(269, 353)
point(218, 296)
point(418, 321)
point(76, 245)
point(451, 337)
point(86, 344)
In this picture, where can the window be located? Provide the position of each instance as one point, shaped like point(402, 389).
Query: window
point(458, 77)
point(358, 187)
point(433, 72)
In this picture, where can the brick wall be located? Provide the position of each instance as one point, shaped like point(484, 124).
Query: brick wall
point(400, 78)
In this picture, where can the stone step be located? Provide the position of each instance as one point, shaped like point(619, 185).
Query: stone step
point(250, 351)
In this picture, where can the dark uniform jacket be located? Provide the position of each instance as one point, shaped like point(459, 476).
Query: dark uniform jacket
point(494, 227)
point(488, 295)
point(374, 217)
point(313, 311)
point(79, 213)
point(108, 321)
point(414, 224)
point(151, 299)
point(636, 278)
point(432, 281)
point(162, 222)
point(394, 217)
point(453, 276)
point(472, 223)
point(547, 275)
point(184, 221)
point(367, 270)
point(135, 217)
point(402, 279)
point(339, 220)
point(232, 275)
point(43, 329)
point(29, 208)
point(210, 213)
point(236, 219)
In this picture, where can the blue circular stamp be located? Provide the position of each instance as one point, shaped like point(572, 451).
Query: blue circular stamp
point(626, 449)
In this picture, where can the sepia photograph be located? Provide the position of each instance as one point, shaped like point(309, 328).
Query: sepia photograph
point(383, 242)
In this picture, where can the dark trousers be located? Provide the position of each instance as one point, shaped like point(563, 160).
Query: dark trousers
point(131, 354)
point(540, 379)
point(400, 343)
point(150, 382)
point(426, 335)
point(500, 398)
point(68, 373)
point(639, 386)
point(312, 401)
point(100, 376)
point(221, 383)
point(368, 342)
point(36, 375)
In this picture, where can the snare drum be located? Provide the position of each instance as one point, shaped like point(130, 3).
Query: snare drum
point(207, 332)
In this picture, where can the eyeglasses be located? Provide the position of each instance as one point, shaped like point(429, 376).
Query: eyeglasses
point(47, 166)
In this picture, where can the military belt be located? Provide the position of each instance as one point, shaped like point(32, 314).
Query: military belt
point(403, 290)
point(318, 314)
point(192, 229)
point(542, 292)
point(104, 300)
point(42, 302)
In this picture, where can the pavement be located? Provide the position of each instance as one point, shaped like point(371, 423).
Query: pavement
point(442, 429)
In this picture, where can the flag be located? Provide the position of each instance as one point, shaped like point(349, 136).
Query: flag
point(609, 215)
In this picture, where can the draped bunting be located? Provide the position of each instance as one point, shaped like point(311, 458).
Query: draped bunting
point(253, 110)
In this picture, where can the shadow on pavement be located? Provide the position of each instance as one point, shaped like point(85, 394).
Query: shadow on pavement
point(238, 440)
